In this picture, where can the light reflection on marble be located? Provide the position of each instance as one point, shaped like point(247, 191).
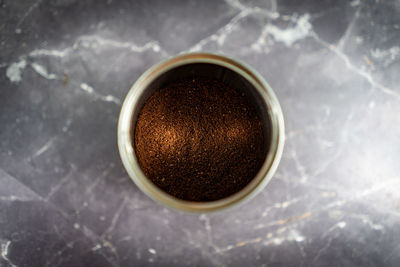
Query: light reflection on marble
point(65, 199)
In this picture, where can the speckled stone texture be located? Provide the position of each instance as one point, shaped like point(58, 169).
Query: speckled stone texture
point(65, 67)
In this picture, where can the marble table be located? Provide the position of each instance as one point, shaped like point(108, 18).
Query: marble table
point(66, 200)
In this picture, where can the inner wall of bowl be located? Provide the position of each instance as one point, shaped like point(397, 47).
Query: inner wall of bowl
point(217, 72)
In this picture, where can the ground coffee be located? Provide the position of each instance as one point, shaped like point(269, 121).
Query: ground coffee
point(199, 140)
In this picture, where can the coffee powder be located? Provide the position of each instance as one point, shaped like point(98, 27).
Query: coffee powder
point(199, 140)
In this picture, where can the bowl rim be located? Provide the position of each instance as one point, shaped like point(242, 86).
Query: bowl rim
point(128, 155)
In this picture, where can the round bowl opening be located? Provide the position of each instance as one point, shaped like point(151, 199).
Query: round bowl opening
point(228, 71)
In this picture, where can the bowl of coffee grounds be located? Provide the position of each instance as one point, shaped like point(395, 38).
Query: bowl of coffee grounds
point(201, 132)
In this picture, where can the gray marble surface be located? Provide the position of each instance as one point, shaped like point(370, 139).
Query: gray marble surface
point(65, 67)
